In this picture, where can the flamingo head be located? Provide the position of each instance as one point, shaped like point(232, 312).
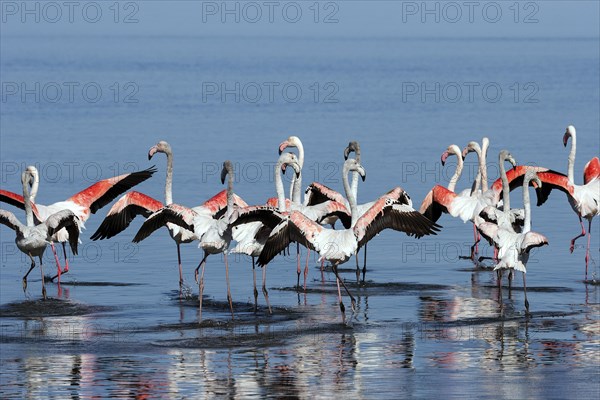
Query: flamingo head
point(160, 147)
point(227, 169)
point(292, 141)
point(569, 133)
point(532, 176)
point(471, 146)
point(352, 165)
point(31, 170)
point(506, 156)
point(353, 146)
point(452, 149)
point(290, 159)
point(29, 175)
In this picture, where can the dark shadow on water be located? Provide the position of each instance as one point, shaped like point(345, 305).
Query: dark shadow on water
point(80, 283)
point(48, 308)
point(370, 288)
point(258, 337)
point(540, 289)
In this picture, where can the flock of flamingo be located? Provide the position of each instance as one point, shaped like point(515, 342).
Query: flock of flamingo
point(264, 231)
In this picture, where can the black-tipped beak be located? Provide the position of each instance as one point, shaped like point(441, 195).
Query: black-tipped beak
point(346, 152)
point(566, 139)
point(151, 152)
point(282, 147)
point(364, 177)
point(223, 176)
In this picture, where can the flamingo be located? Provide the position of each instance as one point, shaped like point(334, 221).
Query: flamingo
point(503, 216)
point(584, 199)
point(314, 211)
point(317, 193)
point(295, 195)
point(392, 210)
point(467, 204)
point(211, 230)
point(514, 247)
point(260, 232)
point(32, 239)
point(84, 203)
point(252, 236)
point(132, 204)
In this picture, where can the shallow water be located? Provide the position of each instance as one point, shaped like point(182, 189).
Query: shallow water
point(426, 323)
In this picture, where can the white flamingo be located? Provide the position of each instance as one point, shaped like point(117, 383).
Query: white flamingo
point(317, 213)
point(32, 239)
point(213, 232)
point(514, 247)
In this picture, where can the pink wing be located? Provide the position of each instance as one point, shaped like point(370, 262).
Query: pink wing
point(103, 192)
point(124, 211)
point(591, 170)
point(317, 193)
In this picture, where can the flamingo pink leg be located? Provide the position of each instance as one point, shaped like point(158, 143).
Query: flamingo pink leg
point(228, 287)
point(587, 251)
point(306, 267)
point(578, 236)
point(264, 288)
point(180, 269)
point(58, 270)
point(254, 280)
point(298, 262)
point(66, 258)
point(200, 283)
point(475, 247)
point(43, 285)
point(342, 308)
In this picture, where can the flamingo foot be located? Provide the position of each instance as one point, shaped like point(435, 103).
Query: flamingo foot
point(44, 293)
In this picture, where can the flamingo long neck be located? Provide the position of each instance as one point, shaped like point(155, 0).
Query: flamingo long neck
point(27, 199)
point(477, 181)
point(279, 187)
point(350, 196)
point(457, 173)
point(571, 169)
point(505, 187)
point(484, 148)
point(296, 190)
point(526, 206)
point(297, 185)
point(169, 180)
point(35, 186)
point(229, 193)
point(355, 175)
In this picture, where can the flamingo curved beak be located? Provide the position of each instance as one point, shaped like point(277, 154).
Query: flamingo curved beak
point(566, 138)
point(511, 160)
point(347, 151)
point(152, 152)
point(283, 146)
point(465, 152)
point(361, 171)
point(445, 157)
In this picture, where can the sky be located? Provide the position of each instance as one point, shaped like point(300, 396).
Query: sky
point(361, 18)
